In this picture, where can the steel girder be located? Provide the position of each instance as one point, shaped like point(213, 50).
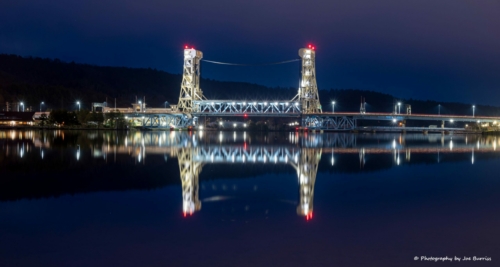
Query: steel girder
point(329, 122)
point(221, 107)
point(167, 121)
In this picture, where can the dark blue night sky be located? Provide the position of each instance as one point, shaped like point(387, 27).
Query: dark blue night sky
point(445, 50)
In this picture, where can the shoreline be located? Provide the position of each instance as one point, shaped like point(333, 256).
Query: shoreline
point(361, 130)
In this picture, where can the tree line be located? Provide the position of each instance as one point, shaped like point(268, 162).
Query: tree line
point(83, 117)
point(60, 85)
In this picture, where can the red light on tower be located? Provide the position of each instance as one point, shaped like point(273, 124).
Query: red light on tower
point(186, 47)
point(313, 48)
point(309, 46)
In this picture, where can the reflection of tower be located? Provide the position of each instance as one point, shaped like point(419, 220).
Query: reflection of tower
point(189, 171)
point(307, 168)
point(362, 158)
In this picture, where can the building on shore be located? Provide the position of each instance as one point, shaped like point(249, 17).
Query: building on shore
point(16, 118)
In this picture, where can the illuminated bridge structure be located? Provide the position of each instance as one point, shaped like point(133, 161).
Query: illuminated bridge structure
point(193, 104)
point(305, 106)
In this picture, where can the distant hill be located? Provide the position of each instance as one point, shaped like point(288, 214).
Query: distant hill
point(60, 84)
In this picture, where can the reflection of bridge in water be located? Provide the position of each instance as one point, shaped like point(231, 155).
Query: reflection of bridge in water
point(305, 162)
point(301, 151)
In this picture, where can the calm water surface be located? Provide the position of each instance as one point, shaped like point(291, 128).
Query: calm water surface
point(83, 198)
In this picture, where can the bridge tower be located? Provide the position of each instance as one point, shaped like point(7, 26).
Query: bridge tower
point(307, 168)
point(189, 171)
point(308, 90)
point(190, 87)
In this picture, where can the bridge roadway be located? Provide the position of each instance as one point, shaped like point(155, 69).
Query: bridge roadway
point(325, 120)
point(358, 116)
point(401, 117)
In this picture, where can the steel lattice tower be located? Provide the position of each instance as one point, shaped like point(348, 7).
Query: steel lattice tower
point(190, 87)
point(308, 90)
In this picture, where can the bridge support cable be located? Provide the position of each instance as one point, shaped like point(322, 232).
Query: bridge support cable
point(252, 65)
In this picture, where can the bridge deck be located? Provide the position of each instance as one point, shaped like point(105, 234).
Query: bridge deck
point(391, 116)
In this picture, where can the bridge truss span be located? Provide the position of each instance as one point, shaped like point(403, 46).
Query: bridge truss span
point(329, 122)
point(178, 120)
point(233, 107)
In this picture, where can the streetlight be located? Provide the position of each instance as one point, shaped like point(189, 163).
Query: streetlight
point(473, 109)
point(42, 103)
point(439, 109)
point(333, 106)
point(166, 104)
point(140, 103)
point(78, 103)
point(22, 104)
point(399, 107)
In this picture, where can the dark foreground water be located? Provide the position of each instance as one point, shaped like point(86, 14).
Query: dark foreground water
point(241, 199)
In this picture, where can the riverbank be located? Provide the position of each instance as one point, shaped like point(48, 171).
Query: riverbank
point(403, 130)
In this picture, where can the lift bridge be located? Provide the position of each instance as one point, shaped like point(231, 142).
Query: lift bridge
point(305, 106)
point(193, 104)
